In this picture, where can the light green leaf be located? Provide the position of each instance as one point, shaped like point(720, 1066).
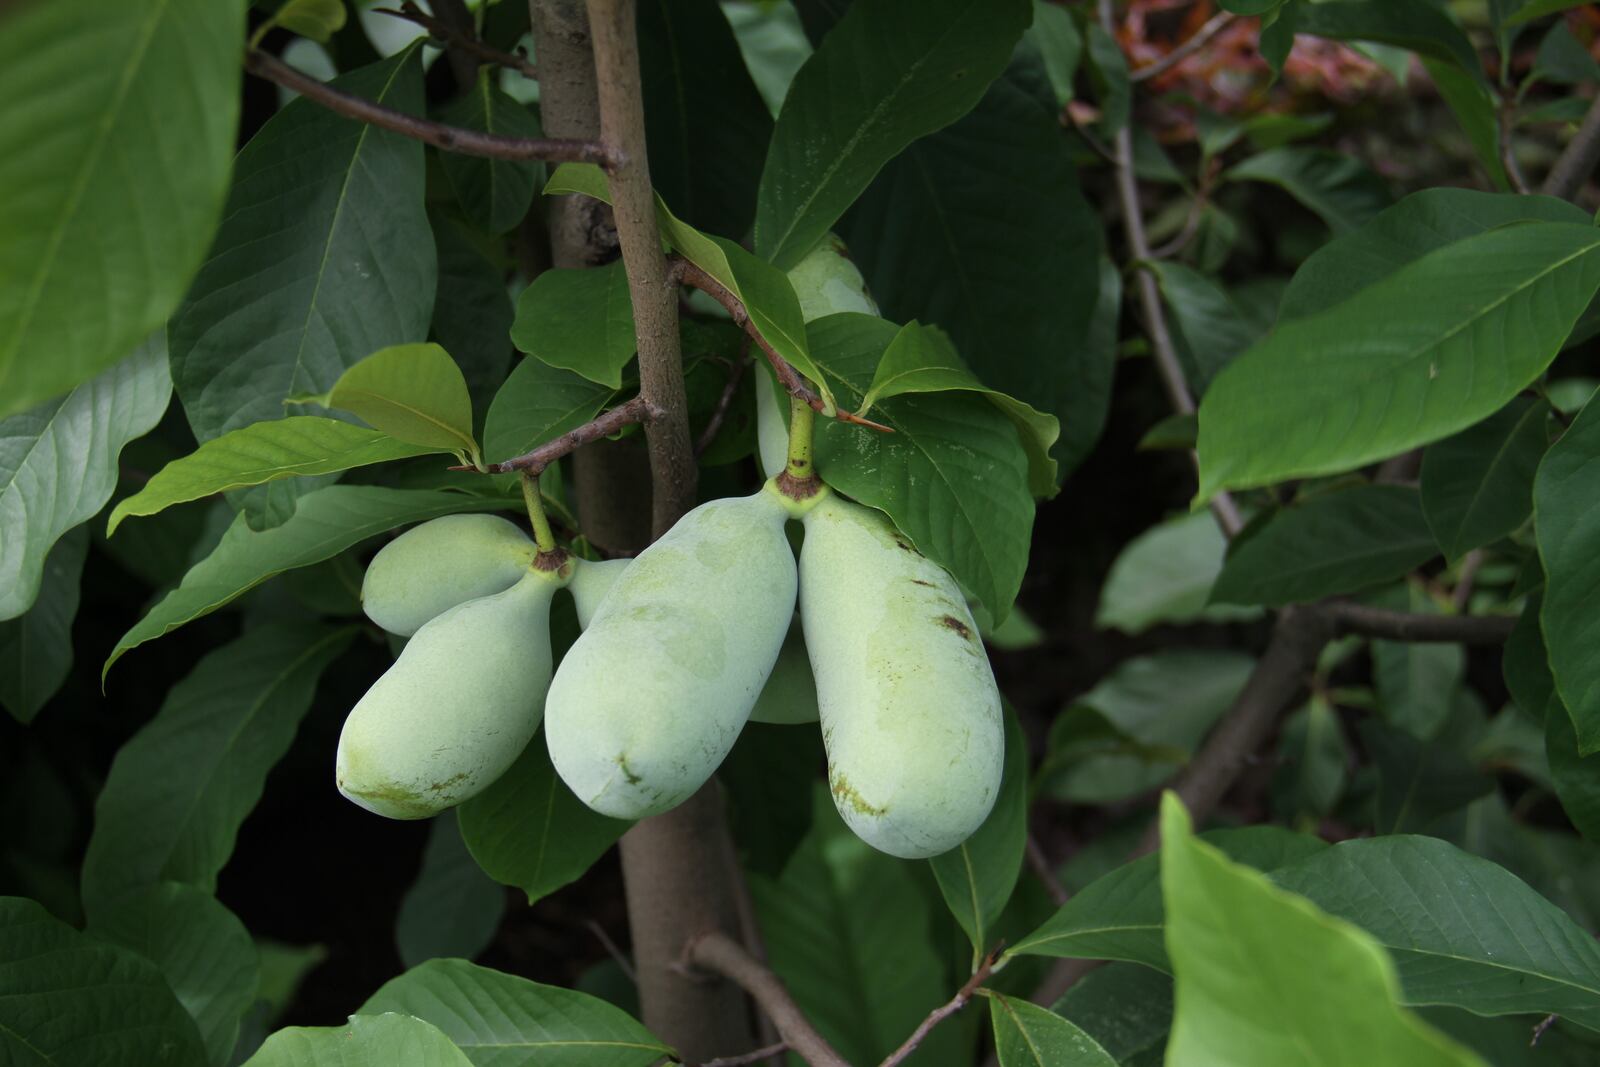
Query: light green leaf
point(1439, 344)
point(453, 908)
point(579, 320)
point(263, 452)
point(36, 646)
point(498, 1020)
point(494, 193)
point(539, 402)
point(178, 790)
point(1026, 1035)
point(1568, 527)
point(366, 1041)
point(324, 523)
point(1339, 188)
point(112, 176)
point(414, 393)
point(1165, 576)
point(316, 19)
point(202, 949)
point(1477, 486)
point(1264, 978)
point(888, 72)
point(68, 999)
point(58, 463)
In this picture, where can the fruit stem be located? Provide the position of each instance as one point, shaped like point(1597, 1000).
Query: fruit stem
point(543, 536)
point(801, 421)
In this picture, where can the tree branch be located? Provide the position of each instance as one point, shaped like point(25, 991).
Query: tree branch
point(449, 138)
point(1367, 621)
point(940, 1014)
point(1508, 156)
point(723, 955)
point(637, 410)
point(467, 42)
point(1577, 161)
point(766, 1052)
point(725, 401)
point(1213, 26)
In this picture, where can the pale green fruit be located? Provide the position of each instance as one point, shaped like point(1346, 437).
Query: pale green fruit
point(790, 695)
point(457, 707)
point(827, 282)
point(910, 711)
point(772, 423)
point(439, 564)
point(652, 696)
point(591, 581)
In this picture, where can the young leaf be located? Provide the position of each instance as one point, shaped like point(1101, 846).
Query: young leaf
point(1477, 486)
point(1340, 189)
point(453, 908)
point(36, 646)
point(1338, 542)
point(1264, 978)
point(496, 1017)
point(578, 320)
point(495, 193)
point(366, 1041)
point(1165, 576)
point(414, 393)
point(1026, 1035)
point(112, 176)
point(58, 463)
point(263, 452)
point(890, 71)
point(324, 257)
point(316, 19)
point(177, 791)
point(67, 998)
point(1439, 344)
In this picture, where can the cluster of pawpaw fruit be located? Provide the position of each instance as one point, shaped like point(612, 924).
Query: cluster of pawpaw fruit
point(678, 647)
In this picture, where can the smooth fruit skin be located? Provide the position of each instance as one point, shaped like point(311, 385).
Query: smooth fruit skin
point(457, 707)
point(441, 563)
point(652, 696)
point(827, 282)
point(910, 711)
point(591, 581)
point(790, 695)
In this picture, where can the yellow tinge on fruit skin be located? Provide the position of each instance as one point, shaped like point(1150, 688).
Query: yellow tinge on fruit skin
point(441, 563)
point(457, 707)
point(652, 696)
point(910, 711)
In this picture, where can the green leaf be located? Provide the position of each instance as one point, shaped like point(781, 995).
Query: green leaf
point(324, 256)
point(1264, 978)
point(1125, 1007)
point(528, 830)
point(1119, 915)
point(1339, 188)
point(1336, 542)
point(1475, 109)
point(936, 236)
point(539, 402)
point(1418, 781)
point(69, 999)
point(953, 475)
point(978, 876)
point(690, 67)
point(1060, 47)
point(112, 176)
point(498, 1019)
point(1313, 761)
point(263, 452)
point(1477, 486)
point(1526, 665)
point(889, 72)
point(1538, 9)
point(472, 312)
point(324, 523)
point(1209, 327)
point(453, 908)
point(494, 193)
point(579, 320)
point(1563, 59)
point(414, 393)
point(316, 19)
point(1439, 344)
point(1026, 1035)
point(1108, 75)
point(202, 949)
point(366, 1041)
point(1461, 930)
point(1568, 529)
point(1415, 25)
point(58, 464)
point(1416, 681)
point(1165, 576)
point(178, 790)
point(36, 646)
point(1576, 777)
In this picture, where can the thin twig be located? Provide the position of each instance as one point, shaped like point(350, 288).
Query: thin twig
point(1466, 578)
point(637, 410)
point(1213, 26)
point(1577, 161)
point(1041, 867)
point(1089, 138)
point(467, 42)
point(940, 1014)
point(720, 413)
point(1191, 222)
point(612, 950)
point(1368, 621)
point(1539, 1028)
point(766, 1052)
point(692, 275)
point(723, 955)
point(1508, 155)
point(449, 138)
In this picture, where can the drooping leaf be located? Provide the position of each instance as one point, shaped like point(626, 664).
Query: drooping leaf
point(179, 789)
point(1165, 576)
point(36, 646)
point(324, 523)
point(66, 999)
point(495, 193)
point(366, 1041)
point(890, 71)
point(498, 1019)
point(1264, 978)
point(1477, 486)
point(1338, 542)
point(528, 830)
point(1026, 1035)
point(414, 393)
point(58, 464)
point(263, 452)
point(1568, 530)
point(453, 908)
point(578, 320)
point(112, 177)
point(201, 948)
point(1339, 188)
point(536, 403)
point(1437, 345)
point(324, 257)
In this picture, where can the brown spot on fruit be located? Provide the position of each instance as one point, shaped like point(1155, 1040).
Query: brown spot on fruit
point(957, 625)
point(919, 581)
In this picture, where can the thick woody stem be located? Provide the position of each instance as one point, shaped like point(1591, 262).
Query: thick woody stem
point(723, 955)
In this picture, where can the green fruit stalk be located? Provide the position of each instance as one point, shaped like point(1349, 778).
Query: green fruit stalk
point(910, 711)
point(457, 707)
point(652, 696)
point(441, 563)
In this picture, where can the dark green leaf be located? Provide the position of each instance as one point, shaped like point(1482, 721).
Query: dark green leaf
point(1209, 328)
point(1418, 781)
point(1475, 109)
point(366, 1041)
point(1339, 188)
point(1416, 25)
point(453, 908)
point(1416, 680)
point(1477, 486)
point(1108, 74)
point(1563, 59)
point(1026, 1035)
point(1576, 777)
point(1526, 664)
point(1060, 47)
point(495, 193)
point(538, 402)
point(1538, 9)
point(472, 314)
point(1568, 526)
point(1125, 1007)
point(578, 320)
point(36, 646)
point(1314, 761)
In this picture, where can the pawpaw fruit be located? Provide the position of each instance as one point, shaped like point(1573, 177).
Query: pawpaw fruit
point(441, 563)
point(909, 707)
point(790, 695)
point(653, 694)
point(456, 709)
point(591, 581)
